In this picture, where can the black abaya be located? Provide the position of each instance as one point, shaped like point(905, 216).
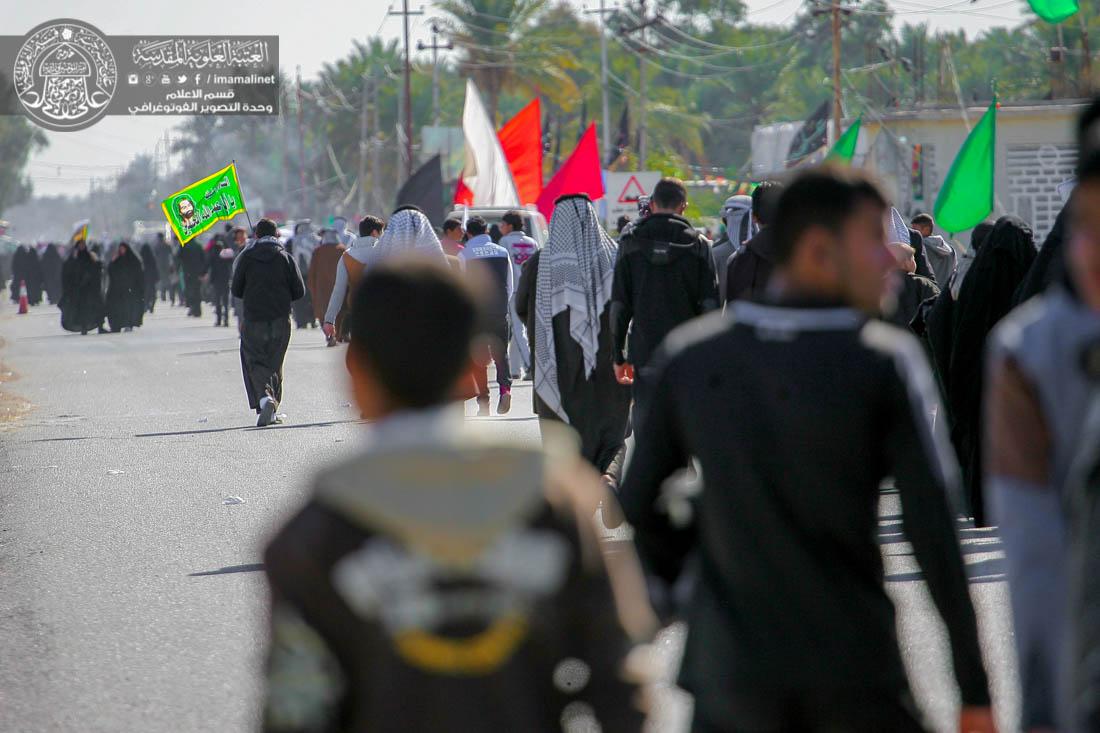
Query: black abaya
point(986, 296)
point(1048, 263)
point(81, 298)
point(125, 291)
point(26, 269)
point(51, 273)
point(152, 275)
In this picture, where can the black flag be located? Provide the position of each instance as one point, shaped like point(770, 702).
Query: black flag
point(812, 137)
point(622, 139)
point(424, 189)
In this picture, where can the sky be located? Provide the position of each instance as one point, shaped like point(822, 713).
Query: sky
point(309, 35)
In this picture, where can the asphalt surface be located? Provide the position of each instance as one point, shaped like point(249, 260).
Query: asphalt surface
point(131, 595)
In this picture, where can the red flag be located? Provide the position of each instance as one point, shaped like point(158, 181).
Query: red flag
point(580, 174)
point(521, 140)
point(463, 195)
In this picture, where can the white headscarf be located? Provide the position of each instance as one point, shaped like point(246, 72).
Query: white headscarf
point(897, 231)
point(408, 230)
point(576, 269)
point(737, 214)
point(340, 224)
point(304, 241)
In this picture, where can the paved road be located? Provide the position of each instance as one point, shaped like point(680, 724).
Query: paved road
point(130, 597)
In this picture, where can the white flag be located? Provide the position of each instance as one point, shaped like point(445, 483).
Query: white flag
point(486, 173)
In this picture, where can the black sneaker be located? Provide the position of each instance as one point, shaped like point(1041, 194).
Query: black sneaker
point(504, 404)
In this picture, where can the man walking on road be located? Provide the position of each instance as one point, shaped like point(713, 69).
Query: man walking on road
point(520, 248)
point(749, 269)
point(796, 411)
point(663, 277)
point(268, 280)
point(481, 252)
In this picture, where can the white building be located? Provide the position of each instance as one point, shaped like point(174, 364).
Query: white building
point(911, 152)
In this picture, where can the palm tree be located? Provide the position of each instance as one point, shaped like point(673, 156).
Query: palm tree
point(503, 49)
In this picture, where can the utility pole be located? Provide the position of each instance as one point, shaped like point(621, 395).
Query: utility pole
point(835, 10)
point(301, 142)
point(407, 102)
point(1058, 59)
point(605, 128)
point(364, 109)
point(286, 144)
point(1086, 58)
point(435, 47)
point(643, 77)
point(376, 141)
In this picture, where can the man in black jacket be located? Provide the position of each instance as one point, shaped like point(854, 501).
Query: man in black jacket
point(796, 411)
point(268, 280)
point(664, 276)
point(749, 270)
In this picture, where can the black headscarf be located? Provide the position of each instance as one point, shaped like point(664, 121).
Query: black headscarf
point(986, 296)
point(149, 263)
point(1050, 262)
point(979, 234)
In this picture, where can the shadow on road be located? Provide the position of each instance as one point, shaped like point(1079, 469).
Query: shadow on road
point(255, 567)
point(246, 427)
point(983, 571)
point(60, 440)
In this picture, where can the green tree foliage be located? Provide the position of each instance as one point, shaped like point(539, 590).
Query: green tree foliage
point(18, 140)
point(713, 74)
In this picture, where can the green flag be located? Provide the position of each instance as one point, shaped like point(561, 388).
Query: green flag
point(193, 210)
point(1054, 11)
point(967, 194)
point(845, 148)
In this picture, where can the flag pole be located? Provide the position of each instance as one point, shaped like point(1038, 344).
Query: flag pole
point(251, 229)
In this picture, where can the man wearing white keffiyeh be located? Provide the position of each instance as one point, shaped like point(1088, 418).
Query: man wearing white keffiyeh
point(567, 317)
point(408, 230)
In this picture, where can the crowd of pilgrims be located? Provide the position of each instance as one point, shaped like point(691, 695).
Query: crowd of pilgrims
point(951, 313)
point(602, 325)
point(789, 411)
point(113, 297)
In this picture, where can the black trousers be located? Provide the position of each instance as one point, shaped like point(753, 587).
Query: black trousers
point(603, 446)
point(192, 290)
point(221, 303)
point(498, 351)
point(263, 349)
point(832, 711)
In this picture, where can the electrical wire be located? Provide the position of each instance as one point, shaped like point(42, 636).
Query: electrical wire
point(702, 77)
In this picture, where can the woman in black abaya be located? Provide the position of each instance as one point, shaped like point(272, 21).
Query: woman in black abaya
point(152, 276)
point(51, 273)
point(81, 298)
point(986, 296)
point(125, 290)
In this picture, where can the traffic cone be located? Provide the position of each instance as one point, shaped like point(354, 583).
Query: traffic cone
point(22, 297)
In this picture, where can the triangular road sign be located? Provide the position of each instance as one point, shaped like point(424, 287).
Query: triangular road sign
point(631, 191)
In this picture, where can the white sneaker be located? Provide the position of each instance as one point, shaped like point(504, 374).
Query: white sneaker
point(267, 412)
